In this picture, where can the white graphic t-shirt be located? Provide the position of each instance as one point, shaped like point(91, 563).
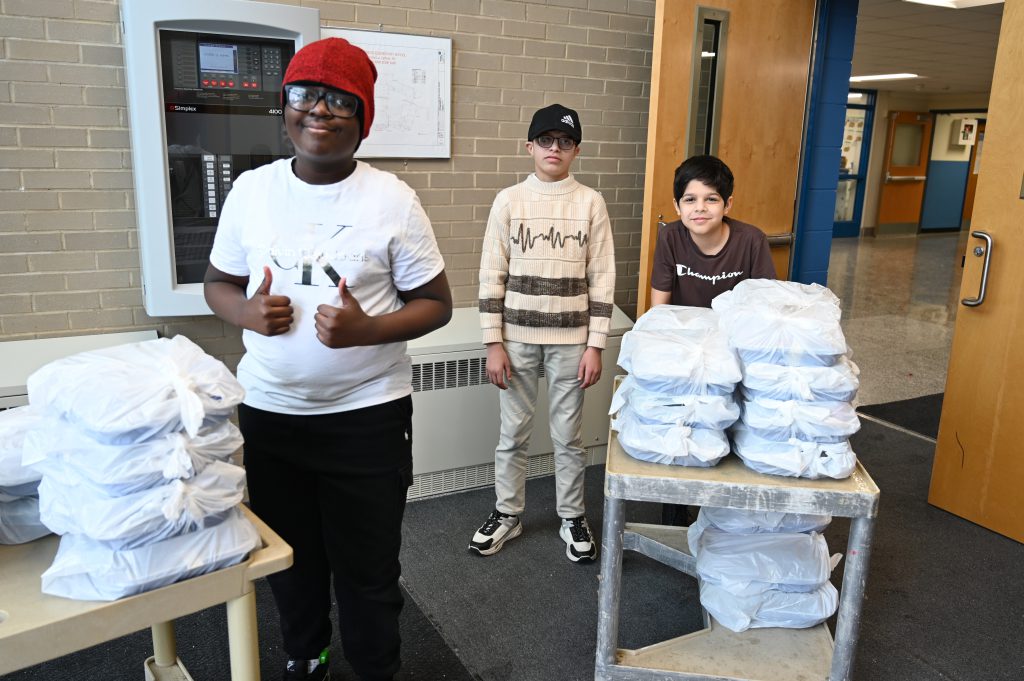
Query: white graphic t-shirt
point(369, 228)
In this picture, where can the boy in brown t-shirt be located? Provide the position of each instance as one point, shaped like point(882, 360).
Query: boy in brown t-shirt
point(704, 253)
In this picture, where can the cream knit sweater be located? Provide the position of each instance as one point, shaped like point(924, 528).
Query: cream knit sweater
point(547, 271)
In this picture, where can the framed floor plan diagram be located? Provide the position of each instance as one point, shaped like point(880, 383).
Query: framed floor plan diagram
point(413, 94)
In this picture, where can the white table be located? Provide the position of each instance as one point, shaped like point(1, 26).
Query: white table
point(35, 627)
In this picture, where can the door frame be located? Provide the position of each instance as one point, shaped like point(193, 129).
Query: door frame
point(831, 63)
point(770, 202)
point(981, 114)
point(970, 192)
point(894, 191)
point(848, 228)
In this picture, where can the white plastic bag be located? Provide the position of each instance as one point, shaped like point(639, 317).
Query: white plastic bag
point(677, 318)
point(698, 411)
point(86, 569)
point(679, 350)
point(15, 424)
point(737, 521)
point(669, 443)
point(837, 383)
point(59, 450)
point(770, 608)
point(793, 457)
point(782, 322)
point(19, 521)
point(143, 517)
point(781, 420)
point(132, 392)
point(798, 561)
point(776, 293)
point(671, 362)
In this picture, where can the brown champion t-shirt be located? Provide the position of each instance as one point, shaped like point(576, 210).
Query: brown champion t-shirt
point(694, 278)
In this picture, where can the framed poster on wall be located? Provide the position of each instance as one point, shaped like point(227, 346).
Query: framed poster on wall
point(413, 93)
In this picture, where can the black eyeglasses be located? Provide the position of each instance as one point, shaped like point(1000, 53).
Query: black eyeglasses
point(564, 143)
point(305, 98)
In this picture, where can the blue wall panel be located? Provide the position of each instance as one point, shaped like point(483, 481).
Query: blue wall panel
point(823, 171)
point(830, 81)
point(944, 194)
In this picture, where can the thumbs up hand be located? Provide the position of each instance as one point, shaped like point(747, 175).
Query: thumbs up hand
point(343, 326)
point(265, 313)
point(264, 287)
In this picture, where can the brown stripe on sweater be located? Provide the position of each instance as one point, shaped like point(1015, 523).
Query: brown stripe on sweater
point(557, 320)
point(492, 305)
point(546, 286)
point(600, 309)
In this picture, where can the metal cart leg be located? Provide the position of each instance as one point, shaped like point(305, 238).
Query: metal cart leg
point(165, 647)
point(855, 577)
point(243, 638)
point(611, 577)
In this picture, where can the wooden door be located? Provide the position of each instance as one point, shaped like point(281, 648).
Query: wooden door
point(761, 102)
point(906, 167)
point(978, 472)
point(972, 176)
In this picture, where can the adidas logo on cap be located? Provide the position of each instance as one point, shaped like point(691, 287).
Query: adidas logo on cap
point(555, 117)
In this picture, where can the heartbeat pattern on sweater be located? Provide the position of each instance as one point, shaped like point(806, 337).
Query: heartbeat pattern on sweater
point(525, 239)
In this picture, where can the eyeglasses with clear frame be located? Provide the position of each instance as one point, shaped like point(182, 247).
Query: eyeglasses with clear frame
point(564, 143)
point(304, 98)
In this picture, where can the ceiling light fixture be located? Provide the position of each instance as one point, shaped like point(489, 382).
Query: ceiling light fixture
point(956, 4)
point(883, 76)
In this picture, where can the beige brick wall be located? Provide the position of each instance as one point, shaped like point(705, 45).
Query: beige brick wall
point(68, 245)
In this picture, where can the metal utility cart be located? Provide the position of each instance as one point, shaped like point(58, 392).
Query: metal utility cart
point(716, 653)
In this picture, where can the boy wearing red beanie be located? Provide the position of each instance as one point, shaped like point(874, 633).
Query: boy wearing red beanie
point(329, 266)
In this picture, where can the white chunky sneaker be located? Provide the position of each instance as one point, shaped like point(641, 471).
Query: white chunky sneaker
point(496, 530)
point(579, 543)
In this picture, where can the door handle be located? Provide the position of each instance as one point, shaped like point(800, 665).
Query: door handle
point(987, 252)
point(905, 178)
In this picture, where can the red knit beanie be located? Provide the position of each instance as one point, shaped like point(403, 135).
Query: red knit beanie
point(339, 64)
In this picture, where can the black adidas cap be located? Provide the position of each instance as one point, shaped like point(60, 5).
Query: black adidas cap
point(556, 117)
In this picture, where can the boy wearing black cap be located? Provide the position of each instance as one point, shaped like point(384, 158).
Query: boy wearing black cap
point(329, 266)
point(547, 280)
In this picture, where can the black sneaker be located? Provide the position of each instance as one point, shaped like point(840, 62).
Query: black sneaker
point(496, 530)
point(579, 544)
point(311, 670)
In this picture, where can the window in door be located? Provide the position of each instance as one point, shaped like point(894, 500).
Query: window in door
point(706, 88)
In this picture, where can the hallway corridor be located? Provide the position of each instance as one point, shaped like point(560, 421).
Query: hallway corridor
point(899, 297)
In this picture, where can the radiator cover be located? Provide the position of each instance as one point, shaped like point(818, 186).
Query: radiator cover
point(455, 409)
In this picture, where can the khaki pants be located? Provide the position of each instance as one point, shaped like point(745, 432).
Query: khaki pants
point(561, 366)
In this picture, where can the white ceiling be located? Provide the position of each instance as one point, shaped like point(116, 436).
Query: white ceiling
point(954, 49)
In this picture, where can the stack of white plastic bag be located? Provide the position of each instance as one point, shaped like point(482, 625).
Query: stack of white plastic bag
point(798, 380)
point(677, 400)
point(19, 498)
point(763, 569)
point(136, 471)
